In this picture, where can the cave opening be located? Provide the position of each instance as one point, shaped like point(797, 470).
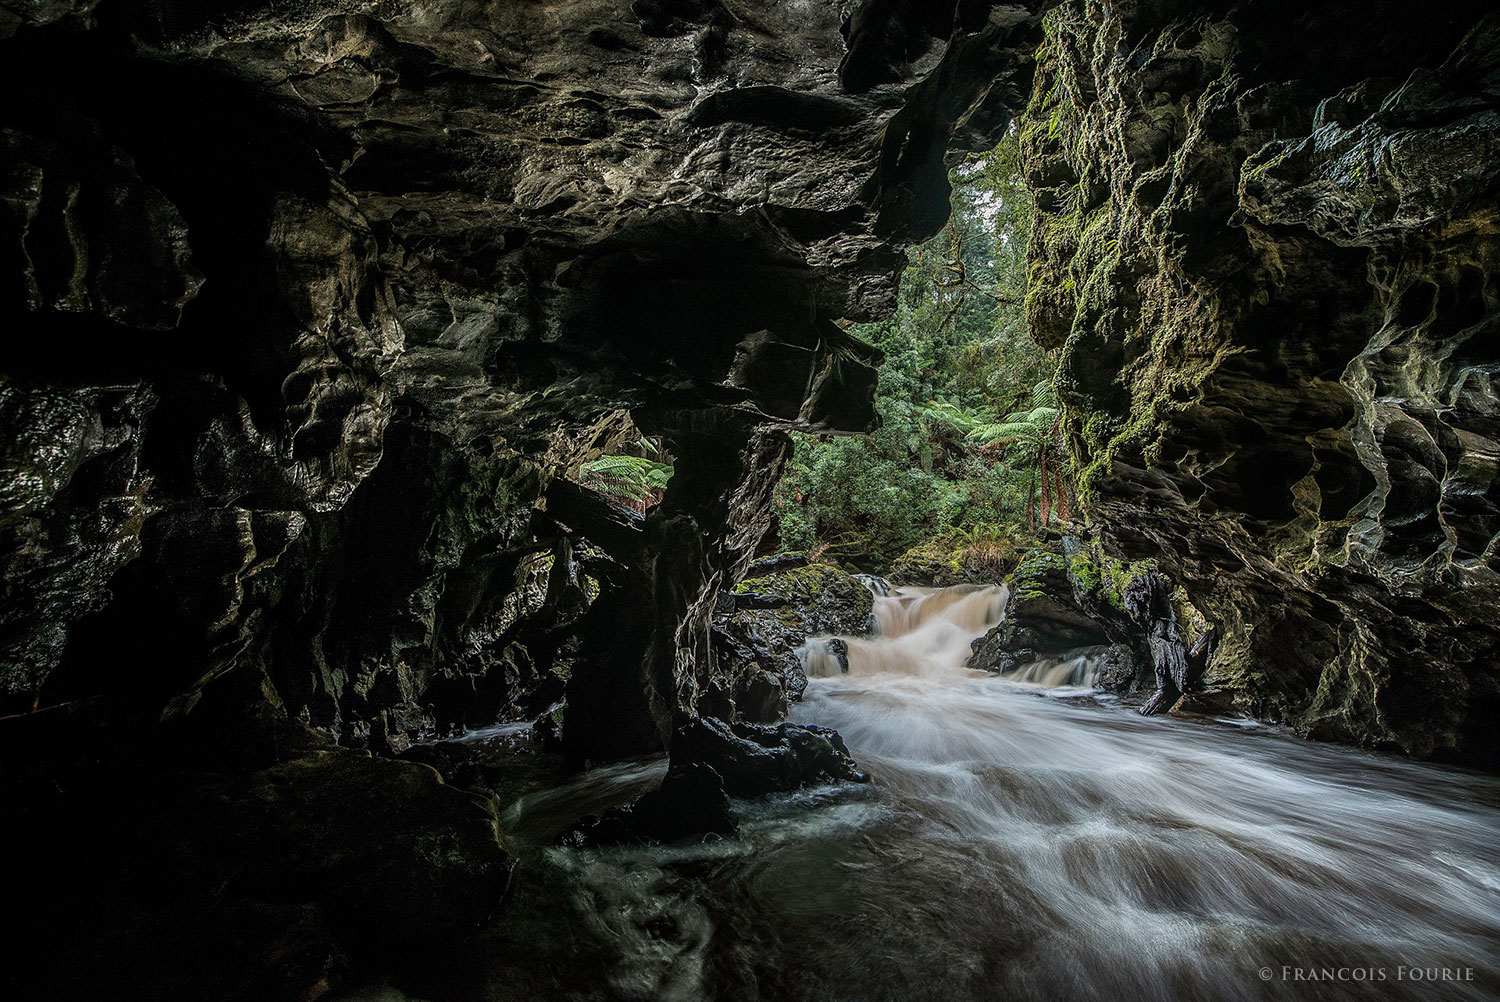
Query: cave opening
point(750, 499)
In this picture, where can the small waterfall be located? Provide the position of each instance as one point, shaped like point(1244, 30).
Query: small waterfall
point(824, 657)
point(918, 631)
point(1078, 667)
point(928, 632)
point(1043, 849)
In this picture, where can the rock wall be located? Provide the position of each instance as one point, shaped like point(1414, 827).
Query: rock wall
point(309, 305)
point(1266, 246)
point(312, 304)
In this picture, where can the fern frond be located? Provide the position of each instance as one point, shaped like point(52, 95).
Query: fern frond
point(1004, 433)
point(1042, 416)
point(626, 477)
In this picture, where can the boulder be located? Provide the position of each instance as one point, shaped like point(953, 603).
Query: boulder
point(1207, 703)
point(1044, 615)
point(753, 759)
point(1121, 669)
point(690, 802)
point(761, 624)
point(711, 761)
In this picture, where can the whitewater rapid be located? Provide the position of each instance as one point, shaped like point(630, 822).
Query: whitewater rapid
point(1028, 841)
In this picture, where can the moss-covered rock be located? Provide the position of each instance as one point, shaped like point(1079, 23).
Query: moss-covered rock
point(958, 557)
point(1266, 277)
point(1061, 597)
point(1039, 572)
point(763, 622)
point(815, 598)
point(1042, 616)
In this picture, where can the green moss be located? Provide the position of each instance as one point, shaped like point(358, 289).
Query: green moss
point(1029, 578)
point(1085, 247)
point(960, 555)
point(808, 589)
point(1105, 577)
point(1086, 572)
point(807, 581)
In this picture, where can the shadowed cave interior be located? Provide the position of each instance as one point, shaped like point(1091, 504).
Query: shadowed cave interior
point(326, 674)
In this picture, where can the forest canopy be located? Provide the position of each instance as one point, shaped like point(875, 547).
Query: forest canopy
point(968, 439)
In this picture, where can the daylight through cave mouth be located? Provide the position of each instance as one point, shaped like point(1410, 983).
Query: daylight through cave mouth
point(750, 500)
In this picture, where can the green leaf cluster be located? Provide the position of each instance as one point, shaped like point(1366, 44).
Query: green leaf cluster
point(632, 479)
point(968, 413)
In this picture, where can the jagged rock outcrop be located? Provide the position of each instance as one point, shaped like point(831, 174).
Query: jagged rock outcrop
point(1266, 245)
point(309, 307)
point(761, 624)
point(754, 759)
point(1056, 603)
point(313, 303)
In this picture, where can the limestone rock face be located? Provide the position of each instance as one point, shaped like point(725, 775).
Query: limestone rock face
point(1266, 245)
point(309, 304)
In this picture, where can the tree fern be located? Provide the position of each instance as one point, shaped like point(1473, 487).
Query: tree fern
point(639, 482)
point(1022, 426)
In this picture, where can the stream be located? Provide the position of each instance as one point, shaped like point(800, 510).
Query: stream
point(1029, 837)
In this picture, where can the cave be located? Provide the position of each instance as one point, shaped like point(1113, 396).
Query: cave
point(316, 312)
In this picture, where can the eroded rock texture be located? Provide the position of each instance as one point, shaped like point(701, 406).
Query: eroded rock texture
point(1267, 247)
point(758, 630)
point(309, 304)
point(310, 310)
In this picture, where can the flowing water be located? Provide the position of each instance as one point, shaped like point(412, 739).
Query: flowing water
point(1029, 838)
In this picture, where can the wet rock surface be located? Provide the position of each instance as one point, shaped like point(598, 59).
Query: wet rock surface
point(711, 761)
point(316, 303)
point(1052, 610)
point(1148, 602)
point(762, 623)
point(194, 878)
point(310, 308)
point(755, 759)
point(817, 597)
point(690, 803)
point(1269, 265)
point(1043, 610)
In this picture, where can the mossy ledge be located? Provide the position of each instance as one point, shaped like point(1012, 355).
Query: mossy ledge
point(1273, 287)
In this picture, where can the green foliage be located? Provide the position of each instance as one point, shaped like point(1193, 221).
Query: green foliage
point(637, 482)
point(1103, 576)
point(1031, 427)
point(961, 555)
point(849, 494)
point(968, 414)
